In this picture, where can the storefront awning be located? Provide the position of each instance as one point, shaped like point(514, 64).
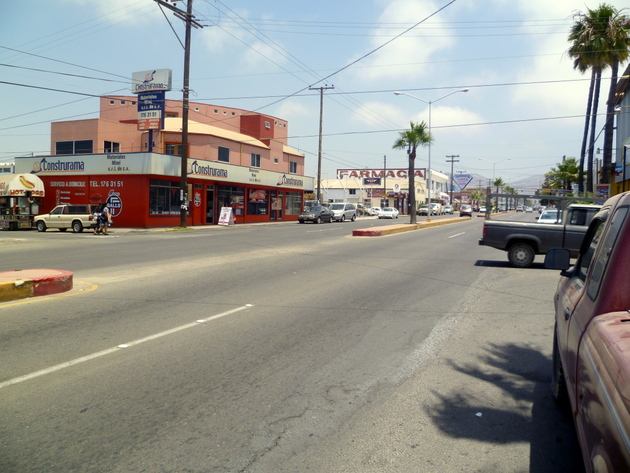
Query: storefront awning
point(20, 185)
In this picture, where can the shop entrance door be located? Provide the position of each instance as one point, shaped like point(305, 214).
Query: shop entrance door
point(210, 204)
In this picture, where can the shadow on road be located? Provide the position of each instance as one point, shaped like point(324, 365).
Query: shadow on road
point(522, 373)
point(505, 264)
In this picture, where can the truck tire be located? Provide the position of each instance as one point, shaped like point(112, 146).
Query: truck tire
point(41, 226)
point(77, 226)
point(521, 255)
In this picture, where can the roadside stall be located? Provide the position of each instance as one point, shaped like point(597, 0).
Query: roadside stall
point(20, 196)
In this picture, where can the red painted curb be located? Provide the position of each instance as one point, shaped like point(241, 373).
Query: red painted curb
point(34, 282)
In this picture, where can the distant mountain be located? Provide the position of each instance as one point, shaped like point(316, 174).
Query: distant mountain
point(527, 185)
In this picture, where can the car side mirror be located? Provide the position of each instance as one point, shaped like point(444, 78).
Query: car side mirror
point(558, 258)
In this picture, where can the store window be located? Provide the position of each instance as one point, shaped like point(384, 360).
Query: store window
point(255, 160)
point(164, 197)
point(293, 203)
point(257, 202)
point(232, 196)
point(74, 147)
point(224, 154)
point(293, 167)
point(111, 147)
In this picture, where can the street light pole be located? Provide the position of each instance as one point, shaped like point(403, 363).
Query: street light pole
point(452, 160)
point(430, 103)
point(494, 164)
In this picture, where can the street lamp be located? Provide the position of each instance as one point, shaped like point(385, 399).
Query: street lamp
point(494, 164)
point(430, 102)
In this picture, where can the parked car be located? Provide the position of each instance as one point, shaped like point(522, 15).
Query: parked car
point(448, 209)
point(591, 343)
point(423, 210)
point(465, 211)
point(436, 209)
point(75, 216)
point(550, 216)
point(374, 211)
point(482, 209)
point(316, 214)
point(388, 212)
point(344, 211)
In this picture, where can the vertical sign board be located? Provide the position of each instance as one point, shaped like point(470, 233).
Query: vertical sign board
point(226, 217)
point(151, 87)
point(151, 110)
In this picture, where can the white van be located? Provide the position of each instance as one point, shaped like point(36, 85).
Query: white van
point(343, 211)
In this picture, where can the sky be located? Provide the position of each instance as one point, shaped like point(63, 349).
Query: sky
point(524, 109)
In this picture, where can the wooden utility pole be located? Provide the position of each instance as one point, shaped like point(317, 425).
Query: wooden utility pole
point(188, 18)
point(452, 160)
point(319, 153)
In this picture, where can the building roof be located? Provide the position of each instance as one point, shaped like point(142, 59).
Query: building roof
point(174, 125)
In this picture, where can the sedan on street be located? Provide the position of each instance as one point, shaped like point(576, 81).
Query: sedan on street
point(465, 211)
point(316, 214)
point(388, 212)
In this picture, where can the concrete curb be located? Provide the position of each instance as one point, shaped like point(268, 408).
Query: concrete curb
point(24, 283)
point(393, 229)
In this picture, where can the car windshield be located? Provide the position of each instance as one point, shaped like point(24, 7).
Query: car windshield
point(313, 209)
point(336, 207)
point(388, 209)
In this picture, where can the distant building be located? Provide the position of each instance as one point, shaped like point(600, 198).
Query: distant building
point(376, 188)
point(7, 168)
point(622, 164)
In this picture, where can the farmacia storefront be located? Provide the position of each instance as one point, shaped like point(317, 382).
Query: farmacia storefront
point(142, 189)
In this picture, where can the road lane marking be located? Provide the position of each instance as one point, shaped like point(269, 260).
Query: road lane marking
point(457, 234)
point(122, 346)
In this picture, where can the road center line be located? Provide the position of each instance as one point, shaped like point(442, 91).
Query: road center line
point(109, 351)
point(457, 234)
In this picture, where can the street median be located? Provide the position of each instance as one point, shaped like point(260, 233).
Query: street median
point(24, 283)
point(393, 229)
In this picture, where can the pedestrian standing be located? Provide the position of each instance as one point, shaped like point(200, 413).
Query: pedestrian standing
point(105, 219)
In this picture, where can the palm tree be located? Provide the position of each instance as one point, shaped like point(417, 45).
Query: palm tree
point(564, 175)
point(498, 183)
point(476, 197)
point(416, 136)
point(599, 38)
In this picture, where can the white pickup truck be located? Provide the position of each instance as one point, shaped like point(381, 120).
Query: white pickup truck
point(77, 217)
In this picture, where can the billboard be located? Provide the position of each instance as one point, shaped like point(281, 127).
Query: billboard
point(151, 81)
point(151, 110)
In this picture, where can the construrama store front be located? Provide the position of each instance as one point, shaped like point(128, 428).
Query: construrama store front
point(142, 189)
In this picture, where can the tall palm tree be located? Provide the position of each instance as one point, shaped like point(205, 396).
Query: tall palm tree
point(599, 38)
point(498, 183)
point(618, 38)
point(417, 135)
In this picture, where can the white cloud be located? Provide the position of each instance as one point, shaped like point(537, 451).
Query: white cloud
point(416, 46)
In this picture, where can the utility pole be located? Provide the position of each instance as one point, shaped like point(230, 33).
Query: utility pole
point(384, 178)
point(188, 18)
point(319, 153)
point(452, 160)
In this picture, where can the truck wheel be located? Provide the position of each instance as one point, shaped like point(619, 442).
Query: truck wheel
point(41, 226)
point(521, 255)
point(77, 226)
point(558, 384)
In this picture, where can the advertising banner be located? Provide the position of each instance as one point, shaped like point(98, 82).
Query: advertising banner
point(150, 81)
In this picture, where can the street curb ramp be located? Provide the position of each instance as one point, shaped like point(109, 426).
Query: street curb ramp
point(393, 229)
point(24, 283)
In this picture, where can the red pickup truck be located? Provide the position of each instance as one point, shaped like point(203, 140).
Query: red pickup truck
point(591, 353)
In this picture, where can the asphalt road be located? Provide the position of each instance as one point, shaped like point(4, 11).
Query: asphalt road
point(280, 348)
